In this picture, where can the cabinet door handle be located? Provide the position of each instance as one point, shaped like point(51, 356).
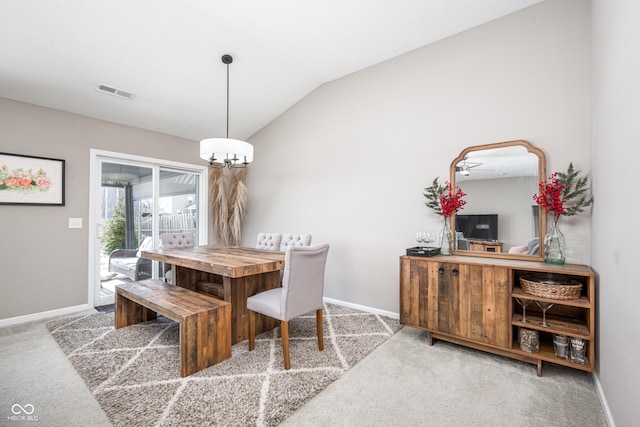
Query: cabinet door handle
point(454, 271)
point(441, 270)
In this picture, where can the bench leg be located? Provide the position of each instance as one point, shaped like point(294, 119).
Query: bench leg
point(128, 312)
point(205, 339)
point(188, 346)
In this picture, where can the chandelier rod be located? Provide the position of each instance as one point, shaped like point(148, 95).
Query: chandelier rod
point(227, 59)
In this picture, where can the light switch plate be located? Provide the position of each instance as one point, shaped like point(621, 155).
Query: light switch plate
point(75, 222)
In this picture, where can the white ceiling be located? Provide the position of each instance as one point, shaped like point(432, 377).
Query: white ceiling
point(54, 53)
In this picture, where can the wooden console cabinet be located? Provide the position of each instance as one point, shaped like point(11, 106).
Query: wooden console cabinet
point(471, 301)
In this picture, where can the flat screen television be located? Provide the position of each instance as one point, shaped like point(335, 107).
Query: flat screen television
point(478, 227)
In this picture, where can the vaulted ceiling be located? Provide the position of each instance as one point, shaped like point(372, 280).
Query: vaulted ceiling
point(54, 53)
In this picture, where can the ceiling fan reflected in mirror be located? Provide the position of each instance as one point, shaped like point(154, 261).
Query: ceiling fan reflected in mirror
point(465, 166)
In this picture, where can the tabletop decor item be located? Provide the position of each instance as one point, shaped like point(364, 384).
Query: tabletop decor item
point(424, 250)
point(524, 303)
point(551, 285)
point(577, 350)
point(445, 200)
point(561, 346)
point(544, 306)
point(562, 188)
point(529, 340)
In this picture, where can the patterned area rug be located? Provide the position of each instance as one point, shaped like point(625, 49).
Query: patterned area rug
point(133, 372)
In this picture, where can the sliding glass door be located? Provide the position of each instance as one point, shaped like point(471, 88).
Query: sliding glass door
point(139, 199)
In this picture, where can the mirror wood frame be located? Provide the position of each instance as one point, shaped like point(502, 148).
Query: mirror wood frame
point(542, 215)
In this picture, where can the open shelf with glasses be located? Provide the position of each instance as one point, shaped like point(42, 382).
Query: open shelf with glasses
point(557, 325)
point(573, 318)
point(547, 354)
point(567, 324)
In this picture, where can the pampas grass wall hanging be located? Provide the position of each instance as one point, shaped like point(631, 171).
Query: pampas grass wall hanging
point(228, 211)
point(218, 200)
point(237, 205)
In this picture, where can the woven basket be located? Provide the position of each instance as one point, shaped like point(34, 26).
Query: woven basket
point(551, 286)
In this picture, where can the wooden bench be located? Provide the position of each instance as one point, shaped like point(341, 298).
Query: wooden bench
point(205, 321)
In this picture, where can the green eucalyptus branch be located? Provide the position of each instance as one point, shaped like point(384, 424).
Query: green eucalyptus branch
point(433, 194)
point(576, 191)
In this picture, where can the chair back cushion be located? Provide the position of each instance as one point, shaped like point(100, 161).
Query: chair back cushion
point(269, 241)
point(289, 239)
point(146, 244)
point(303, 280)
point(177, 240)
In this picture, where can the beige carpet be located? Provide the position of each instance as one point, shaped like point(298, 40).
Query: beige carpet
point(133, 372)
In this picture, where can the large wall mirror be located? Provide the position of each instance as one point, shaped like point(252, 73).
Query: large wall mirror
point(501, 219)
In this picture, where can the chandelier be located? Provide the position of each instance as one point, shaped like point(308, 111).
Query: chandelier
point(226, 152)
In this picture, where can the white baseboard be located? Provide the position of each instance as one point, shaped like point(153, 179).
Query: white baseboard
point(603, 401)
point(362, 308)
point(44, 315)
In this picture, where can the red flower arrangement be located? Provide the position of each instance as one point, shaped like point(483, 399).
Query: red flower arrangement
point(550, 197)
point(443, 199)
point(451, 202)
point(565, 193)
point(560, 188)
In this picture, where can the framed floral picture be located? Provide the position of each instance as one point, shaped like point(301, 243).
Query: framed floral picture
point(31, 180)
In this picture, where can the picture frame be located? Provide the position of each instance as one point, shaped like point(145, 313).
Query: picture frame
point(31, 180)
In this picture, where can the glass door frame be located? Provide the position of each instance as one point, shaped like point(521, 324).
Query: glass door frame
point(97, 157)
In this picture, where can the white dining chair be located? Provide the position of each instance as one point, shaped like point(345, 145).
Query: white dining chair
point(289, 239)
point(269, 241)
point(175, 240)
point(301, 293)
point(185, 240)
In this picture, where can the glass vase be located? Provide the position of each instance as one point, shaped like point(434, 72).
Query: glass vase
point(554, 245)
point(446, 238)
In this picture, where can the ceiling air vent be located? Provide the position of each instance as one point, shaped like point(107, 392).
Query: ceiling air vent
point(115, 91)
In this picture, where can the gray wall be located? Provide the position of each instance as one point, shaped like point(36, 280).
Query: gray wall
point(43, 262)
point(616, 129)
point(349, 162)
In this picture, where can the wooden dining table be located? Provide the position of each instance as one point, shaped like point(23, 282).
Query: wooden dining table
point(241, 271)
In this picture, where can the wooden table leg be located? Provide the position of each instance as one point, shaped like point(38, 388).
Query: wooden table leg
point(241, 288)
point(236, 292)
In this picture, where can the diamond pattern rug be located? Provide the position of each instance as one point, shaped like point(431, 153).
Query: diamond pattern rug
point(133, 372)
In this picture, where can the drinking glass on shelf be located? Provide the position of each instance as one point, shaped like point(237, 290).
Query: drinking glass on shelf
point(577, 350)
point(524, 303)
point(420, 237)
point(561, 346)
point(544, 306)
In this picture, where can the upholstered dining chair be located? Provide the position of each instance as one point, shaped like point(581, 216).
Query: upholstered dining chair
point(289, 239)
point(175, 240)
point(301, 293)
point(269, 241)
